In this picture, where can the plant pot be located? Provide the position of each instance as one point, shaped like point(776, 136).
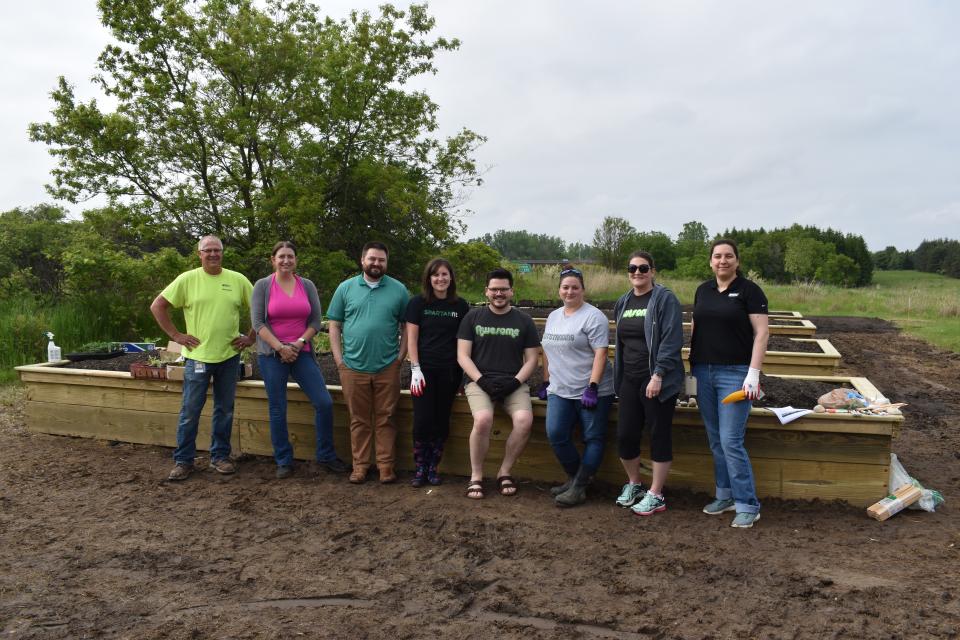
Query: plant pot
point(142, 371)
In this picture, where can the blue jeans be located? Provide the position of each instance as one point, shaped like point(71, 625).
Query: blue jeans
point(562, 415)
point(307, 374)
point(726, 426)
point(195, 384)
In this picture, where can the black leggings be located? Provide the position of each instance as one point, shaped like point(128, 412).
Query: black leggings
point(637, 410)
point(431, 411)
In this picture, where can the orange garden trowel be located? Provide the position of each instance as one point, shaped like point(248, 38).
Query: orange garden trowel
point(738, 396)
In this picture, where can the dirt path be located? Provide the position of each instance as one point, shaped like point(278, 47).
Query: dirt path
point(96, 544)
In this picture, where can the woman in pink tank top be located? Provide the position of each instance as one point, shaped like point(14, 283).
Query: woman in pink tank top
point(286, 314)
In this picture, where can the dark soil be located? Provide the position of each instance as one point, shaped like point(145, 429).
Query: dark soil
point(96, 544)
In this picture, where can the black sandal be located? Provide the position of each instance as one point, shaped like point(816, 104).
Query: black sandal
point(505, 484)
point(475, 487)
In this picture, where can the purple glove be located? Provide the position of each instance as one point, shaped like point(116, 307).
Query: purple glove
point(542, 391)
point(589, 397)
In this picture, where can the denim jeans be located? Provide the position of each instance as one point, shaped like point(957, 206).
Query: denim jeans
point(307, 374)
point(562, 415)
point(726, 426)
point(195, 384)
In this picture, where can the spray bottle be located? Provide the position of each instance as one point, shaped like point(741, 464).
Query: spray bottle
point(53, 351)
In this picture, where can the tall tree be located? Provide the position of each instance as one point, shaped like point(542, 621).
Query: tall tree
point(260, 120)
point(611, 241)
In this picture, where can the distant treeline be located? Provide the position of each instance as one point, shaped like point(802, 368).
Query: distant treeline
point(933, 256)
point(797, 253)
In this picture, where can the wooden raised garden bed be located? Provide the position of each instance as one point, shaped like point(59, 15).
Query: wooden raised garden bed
point(819, 456)
point(778, 326)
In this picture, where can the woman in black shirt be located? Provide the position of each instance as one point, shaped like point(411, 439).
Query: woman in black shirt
point(433, 318)
point(727, 347)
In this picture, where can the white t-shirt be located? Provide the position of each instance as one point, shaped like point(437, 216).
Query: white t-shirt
point(570, 342)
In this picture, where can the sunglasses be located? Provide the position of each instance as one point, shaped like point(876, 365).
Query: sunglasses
point(571, 272)
point(642, 268)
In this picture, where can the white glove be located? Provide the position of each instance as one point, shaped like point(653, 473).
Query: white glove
point(417, 382)
point(751, 384)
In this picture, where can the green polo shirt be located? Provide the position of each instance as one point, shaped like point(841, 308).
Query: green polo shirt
point(211, 306)
point(370, 319)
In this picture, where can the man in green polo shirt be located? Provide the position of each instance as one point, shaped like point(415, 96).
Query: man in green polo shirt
point(368, 344)
point(211, 298)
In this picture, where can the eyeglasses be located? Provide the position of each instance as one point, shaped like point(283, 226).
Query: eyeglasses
point(498, 289)
point(211, 250)
point(571, 272)
point(642, 268)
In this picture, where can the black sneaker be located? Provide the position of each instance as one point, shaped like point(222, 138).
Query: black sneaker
point(284, 471)
point(334, 466)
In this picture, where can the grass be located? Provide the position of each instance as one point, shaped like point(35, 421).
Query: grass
point(925, 305)
point(23, 324)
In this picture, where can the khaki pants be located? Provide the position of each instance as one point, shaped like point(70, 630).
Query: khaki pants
point(371, 399)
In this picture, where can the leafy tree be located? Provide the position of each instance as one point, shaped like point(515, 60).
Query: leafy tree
point(838, 269)
point(937, 256)
point(258, 121)
point(578, 252)
point(693, 240)
point(693, 267)
point(516, 245)
point(657, 244)
point(32, 242)
point(611, 241)
point(472, 261)
point(765, 256)
point(804, 255)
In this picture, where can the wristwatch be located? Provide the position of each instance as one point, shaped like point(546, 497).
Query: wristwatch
point(301, 340)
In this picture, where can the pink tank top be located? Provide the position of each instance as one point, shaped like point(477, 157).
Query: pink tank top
point(288, 314)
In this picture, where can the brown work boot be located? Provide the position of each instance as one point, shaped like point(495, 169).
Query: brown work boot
point(224, 466)
point(180, 472)
point(387, 476)
point(359, 474)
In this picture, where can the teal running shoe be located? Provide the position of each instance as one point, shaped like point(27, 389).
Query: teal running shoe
point(630, 495)
point(650, 505)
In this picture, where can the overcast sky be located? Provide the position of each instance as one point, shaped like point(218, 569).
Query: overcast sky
point(745, 114)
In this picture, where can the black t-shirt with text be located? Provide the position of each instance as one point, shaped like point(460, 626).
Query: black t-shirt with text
point(438, 322)
point(722, 333)
point(498, 339)
point(632, 337)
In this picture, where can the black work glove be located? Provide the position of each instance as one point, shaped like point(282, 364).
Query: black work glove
point(505, 386)
point(486, 383)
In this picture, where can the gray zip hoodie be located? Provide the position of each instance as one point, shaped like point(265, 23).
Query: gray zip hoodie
point(663, 328)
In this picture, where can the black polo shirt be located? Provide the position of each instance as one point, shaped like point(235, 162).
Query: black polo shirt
point(722, 333)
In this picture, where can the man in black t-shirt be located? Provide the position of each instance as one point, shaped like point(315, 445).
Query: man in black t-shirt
point(497, 347)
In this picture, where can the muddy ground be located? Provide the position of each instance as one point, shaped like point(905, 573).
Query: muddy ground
point(97, 544)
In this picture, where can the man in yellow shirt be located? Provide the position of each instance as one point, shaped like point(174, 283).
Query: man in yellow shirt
point(211, 298)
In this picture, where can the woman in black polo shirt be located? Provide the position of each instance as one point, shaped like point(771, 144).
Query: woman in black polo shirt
point(433, 318)
point(729, 341)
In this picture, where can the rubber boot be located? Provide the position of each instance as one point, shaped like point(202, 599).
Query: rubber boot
point(420, 460)
point(562, 488)
point(436, 452)
point(577, 493)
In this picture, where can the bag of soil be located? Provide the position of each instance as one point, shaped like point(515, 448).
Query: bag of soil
point(843, 399)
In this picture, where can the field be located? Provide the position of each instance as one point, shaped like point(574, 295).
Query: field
point(922, 304)
point(99, 545)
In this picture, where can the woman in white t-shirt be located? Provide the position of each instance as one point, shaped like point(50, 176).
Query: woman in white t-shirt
point(578, 386)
